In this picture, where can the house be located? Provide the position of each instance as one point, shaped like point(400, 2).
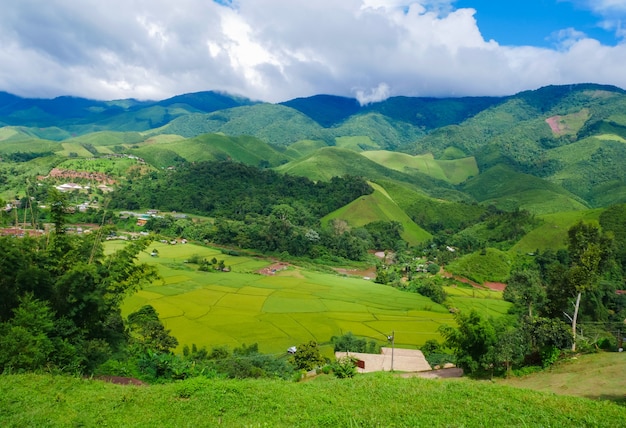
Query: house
point(404, 360)
point(68, 187)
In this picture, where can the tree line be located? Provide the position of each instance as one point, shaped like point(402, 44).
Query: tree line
point(564, 301)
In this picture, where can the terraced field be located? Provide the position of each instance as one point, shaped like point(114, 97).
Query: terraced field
point(286, 308)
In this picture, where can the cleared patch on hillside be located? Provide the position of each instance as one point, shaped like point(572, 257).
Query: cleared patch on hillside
point(569, 124)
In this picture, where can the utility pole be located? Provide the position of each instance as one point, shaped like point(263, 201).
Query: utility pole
point(392, 340)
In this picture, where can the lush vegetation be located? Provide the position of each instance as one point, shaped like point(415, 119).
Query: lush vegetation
point(449, 192)
point(61, 299)
point(374, 400)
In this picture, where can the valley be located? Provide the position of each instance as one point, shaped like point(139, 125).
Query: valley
point(201, 237)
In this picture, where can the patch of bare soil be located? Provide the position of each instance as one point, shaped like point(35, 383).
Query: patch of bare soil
point(362, 273)
point(496, 286)
point(273, 268)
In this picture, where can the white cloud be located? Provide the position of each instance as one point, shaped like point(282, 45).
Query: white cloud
point(379, 93)
point(275, 50)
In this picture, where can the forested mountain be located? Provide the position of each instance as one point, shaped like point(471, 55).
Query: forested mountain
point(554, 148)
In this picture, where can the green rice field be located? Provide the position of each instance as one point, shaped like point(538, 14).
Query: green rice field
point(284, 308)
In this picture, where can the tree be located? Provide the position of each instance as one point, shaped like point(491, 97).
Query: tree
point(25, 342)
point(524, 288)
point(307, 356)
point(350, 343)
point(148, 333)
point(590, 251)
point(471, 341)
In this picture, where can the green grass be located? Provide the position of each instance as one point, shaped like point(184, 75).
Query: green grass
point(108, 138)
point(377, 400)
point(356, 143)
point(248, 150)
point(303, 148)
point(597, 376)
point(28, 145)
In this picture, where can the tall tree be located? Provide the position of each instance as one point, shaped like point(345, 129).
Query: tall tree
point(524, 288)
point(473, 341)
point(590, 251)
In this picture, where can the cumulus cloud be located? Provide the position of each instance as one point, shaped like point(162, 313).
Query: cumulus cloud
point(275, 50)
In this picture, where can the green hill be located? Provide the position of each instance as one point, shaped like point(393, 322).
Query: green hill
point(274, 124)
point(552, 233)
point(453, 171)
point(328, 162)
point(482, 266)
point(378, 206)
point(507, 189)
point(593, 169)
point(245, 149)
point(383, 131)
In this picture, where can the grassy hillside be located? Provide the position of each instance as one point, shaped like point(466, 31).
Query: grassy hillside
point(328, 162)
point(596, 376)
point(593, 169)
point(379, 207)
point(248, 150)
point(453, 171)
point(108, 138)
point(372, 400)
point(275, 124)
point(383, 131)
point(552, 233)
point(482, 266)
point(507, 189)
point(432, 213)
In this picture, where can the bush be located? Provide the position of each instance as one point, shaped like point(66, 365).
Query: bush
point(549, 356)
point(431, 288)
point(344, 367)
point(433, 268)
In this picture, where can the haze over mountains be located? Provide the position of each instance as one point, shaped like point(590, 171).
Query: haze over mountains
point(552, 149)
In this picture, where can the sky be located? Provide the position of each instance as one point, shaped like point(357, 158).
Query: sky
point(276, 50)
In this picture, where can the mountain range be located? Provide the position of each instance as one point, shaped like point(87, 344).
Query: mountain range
point(554, 149)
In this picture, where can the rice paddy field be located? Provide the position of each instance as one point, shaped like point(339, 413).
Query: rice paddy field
point(284, 308)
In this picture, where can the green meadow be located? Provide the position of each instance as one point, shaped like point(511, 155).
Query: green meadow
point(290, 307)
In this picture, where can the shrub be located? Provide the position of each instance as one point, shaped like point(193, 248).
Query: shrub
point(433, 268)
point(344, 367)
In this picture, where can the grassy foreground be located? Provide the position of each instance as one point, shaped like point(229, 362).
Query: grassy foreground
point(366, 401)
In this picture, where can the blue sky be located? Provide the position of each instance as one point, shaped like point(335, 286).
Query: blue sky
point(275, 50)
point(535, 22)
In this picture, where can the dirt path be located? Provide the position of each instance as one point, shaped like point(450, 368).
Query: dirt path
point(495, 286)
